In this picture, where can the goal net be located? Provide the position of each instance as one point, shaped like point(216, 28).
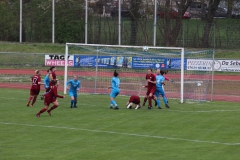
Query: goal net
point(95, 64)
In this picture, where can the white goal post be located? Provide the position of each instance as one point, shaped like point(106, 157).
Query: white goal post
point(140, 49)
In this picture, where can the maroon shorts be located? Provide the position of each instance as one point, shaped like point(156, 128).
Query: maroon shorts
point(34, 92)
point(151, 90)
point(48, 100)
point(134, 99)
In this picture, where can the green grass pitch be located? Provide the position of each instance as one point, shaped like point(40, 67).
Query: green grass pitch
point(94, 132)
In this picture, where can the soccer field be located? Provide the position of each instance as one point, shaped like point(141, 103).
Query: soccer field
point(93, 131)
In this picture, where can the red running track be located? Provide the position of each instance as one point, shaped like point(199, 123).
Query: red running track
point(109, 74)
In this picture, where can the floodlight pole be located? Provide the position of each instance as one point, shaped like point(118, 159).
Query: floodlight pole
point(86, 21)
point(119, 22)
point(155, 23)
point(20, 25)
point(53, 21)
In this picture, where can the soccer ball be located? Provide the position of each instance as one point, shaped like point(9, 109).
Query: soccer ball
point(145, 49)
point(199, 84)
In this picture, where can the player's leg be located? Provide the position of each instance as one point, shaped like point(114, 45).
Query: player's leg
point(36, 93)
point(164, 98)
point(47, 89)
point(112, 101)
point(165, 94)
point(75, 99)
point(150, 97)
point(150, 101)
point(155, 99)
point(30, 97)
point(157, 94)
point(46, 105)
point(137, 106)
point(146, 97)
point(55, 105)
point(129, 105)
point(72, 99)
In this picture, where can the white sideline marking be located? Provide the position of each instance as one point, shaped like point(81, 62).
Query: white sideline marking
point(127, 134)
point(204, 111)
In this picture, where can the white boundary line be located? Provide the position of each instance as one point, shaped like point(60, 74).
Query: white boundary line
point(126, 134)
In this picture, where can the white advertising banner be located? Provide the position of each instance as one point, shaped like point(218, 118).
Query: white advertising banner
point(58, 60)
point(219, 65)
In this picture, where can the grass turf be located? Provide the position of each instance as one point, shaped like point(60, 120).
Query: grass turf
point(93, 131)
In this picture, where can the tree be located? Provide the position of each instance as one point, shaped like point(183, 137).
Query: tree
point(134, 17)
point(171, 34)
point(230, 8)
point(212, 7)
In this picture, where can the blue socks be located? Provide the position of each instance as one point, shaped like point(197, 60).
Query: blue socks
point(165, 100)
point(158, 102)
point(72, 101)
point(113, 103)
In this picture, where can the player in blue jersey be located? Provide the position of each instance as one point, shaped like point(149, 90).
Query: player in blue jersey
point(115, 90)
point(46, 84)
point(159, 89)
point(73, 87)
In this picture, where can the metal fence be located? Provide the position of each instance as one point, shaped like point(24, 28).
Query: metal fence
point(69, 25)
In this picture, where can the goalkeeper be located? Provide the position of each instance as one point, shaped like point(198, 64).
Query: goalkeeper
point(73, 87)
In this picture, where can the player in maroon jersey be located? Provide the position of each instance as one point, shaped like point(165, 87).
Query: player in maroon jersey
point(151, 85)
point(35, 88)
point(134, 100)
point(51, 97)
point(52, 74)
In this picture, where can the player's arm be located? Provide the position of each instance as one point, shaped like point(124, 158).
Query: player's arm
point(154, 82)
point(166, 78)
point(78, 87)
point(51, 77)
point(68, 85)
point(41, 83)
point(56, 93)
point(127, 103)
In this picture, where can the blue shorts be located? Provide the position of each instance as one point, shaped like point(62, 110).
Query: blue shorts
point(74, 94)
point(114, 93)
point(159, 91)
point(46, 86)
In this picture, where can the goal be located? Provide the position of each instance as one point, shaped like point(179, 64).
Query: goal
point(95, 64)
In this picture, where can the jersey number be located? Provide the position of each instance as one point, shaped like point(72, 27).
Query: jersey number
point(34, 82)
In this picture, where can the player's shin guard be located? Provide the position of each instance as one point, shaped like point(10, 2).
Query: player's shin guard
point(145, 100)
point(75, 103)
point(158, 102)
point(150, 101)
point(53, 107)
point(42, 110)
point(72, 102)
point(34, 100)
point(165, 100)
point(113, 102)
point(29, 99)
point(129, 105)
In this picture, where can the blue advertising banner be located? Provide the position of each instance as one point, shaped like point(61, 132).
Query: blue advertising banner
point(102, 61)
point(175, 63)
point(127, 62)
point(142, 62)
